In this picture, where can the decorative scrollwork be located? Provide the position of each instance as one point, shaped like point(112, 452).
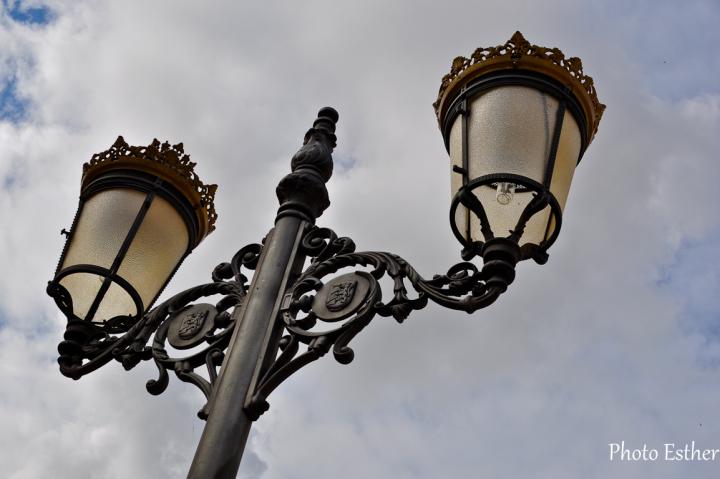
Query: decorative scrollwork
point(347, 303)
point(186, 326)
point(215, 330)
point(322, 243)
point(246, 257)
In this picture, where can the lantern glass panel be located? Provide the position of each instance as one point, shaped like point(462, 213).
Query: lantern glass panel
point(158, 247)
point(115, 302)
point(566, 159)
point(104, 222)
point(510, 131)
point(83, 287)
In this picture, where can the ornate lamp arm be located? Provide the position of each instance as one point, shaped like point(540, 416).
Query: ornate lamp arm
point(352, 300)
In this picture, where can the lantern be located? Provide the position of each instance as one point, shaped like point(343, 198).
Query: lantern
point(142, 211)
point(516, 120)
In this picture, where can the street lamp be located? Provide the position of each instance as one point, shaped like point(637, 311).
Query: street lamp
point(516, 119)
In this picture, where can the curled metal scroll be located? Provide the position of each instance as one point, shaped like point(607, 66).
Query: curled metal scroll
point(346, 304)
point(213, 332)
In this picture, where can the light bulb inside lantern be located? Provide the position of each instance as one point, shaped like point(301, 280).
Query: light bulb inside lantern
point(505, 193)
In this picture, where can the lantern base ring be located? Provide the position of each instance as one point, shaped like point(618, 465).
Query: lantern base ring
point(63, 299)
point(543, 198)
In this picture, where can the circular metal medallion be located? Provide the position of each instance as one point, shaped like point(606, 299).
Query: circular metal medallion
point(189, 326)
point(340, 297)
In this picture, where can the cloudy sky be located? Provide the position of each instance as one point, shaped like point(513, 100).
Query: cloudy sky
point(616, 338)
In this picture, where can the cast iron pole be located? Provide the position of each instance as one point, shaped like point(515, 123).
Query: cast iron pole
point(303, 197)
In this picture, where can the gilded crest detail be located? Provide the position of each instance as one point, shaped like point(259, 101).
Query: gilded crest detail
point(515, 49)
point(171, 159)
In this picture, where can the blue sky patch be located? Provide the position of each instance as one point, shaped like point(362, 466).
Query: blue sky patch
point(28, 15)
point(12, 106)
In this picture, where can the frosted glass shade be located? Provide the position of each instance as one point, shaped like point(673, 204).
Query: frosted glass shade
point(142, 243)
point(510, 131)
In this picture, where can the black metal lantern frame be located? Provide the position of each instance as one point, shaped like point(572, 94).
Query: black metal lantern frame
point(84, 334)
point(151, 186)
point(308, 285)
point(543, 197)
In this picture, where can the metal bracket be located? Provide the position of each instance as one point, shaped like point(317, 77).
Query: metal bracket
point(350, 301)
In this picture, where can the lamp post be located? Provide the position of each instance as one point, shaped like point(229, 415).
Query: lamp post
point(516, 119)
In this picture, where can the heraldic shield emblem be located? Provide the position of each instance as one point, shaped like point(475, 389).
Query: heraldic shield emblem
point(340, 295)
point(189, 325)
